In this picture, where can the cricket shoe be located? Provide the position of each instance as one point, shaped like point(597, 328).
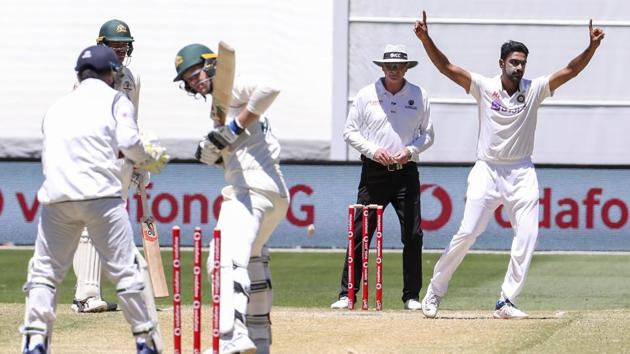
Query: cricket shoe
point(92, 304)
point(39, 349)
point(413, 305)
point(240, 343)
point(430, 304)
point(342, 303)
point(504, 309)
point(143, 348)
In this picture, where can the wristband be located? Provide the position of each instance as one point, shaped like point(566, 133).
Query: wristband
point(235, 127)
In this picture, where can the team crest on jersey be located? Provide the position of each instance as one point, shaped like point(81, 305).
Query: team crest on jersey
point(520, 98)
point(410, 105)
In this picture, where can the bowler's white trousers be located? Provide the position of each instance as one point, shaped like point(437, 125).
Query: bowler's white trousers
point(515, 185)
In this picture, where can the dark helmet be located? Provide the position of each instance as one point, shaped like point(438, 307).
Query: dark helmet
point(191, 55)
point(98, 58)
point(115, 31)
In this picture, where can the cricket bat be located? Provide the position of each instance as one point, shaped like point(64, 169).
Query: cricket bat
point(136, 97)
point(222, 83)
point(151, 246)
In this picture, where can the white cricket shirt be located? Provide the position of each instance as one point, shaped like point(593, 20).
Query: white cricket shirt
point(380, 119)
point(252, 161)
point(83, 134)
point(507, 124)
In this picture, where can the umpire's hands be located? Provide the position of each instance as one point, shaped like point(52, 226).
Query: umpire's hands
point(383, 157)
point(403, 156)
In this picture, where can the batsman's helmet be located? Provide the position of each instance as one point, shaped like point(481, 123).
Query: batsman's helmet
point(191, 55)
point(115, 31)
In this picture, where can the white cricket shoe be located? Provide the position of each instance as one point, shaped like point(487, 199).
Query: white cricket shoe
point(506, 310)
point(92, 304)
point(342, 303)
point(240, 343)
point(413, 305)
point(430, 304)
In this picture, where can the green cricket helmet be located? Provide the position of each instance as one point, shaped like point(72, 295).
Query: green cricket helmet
point(191, 55)
point(115, 31)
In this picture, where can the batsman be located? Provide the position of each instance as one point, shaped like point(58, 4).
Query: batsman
point(255, 200)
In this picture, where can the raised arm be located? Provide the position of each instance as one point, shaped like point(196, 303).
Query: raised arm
point(459, 75)
point(578, 64)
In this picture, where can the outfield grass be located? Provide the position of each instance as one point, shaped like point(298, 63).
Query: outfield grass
point(579, 303)
point(311, 279)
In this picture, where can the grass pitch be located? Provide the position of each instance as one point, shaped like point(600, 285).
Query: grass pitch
point(578, 303)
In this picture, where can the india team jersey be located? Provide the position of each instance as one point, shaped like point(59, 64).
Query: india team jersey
point(83, 133)
point(507, 124)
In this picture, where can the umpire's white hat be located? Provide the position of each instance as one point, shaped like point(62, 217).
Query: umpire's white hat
point(395, 53)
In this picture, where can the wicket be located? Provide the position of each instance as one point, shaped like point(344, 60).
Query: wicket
point(197, 302)
point(365, 254)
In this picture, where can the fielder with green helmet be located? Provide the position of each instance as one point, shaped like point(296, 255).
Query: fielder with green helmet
point(116, 31)
point(254, 202)
point(87, 265)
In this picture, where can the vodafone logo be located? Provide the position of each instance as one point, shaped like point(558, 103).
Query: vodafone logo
point(446, 210)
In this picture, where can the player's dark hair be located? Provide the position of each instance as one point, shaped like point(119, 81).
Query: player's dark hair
point(513, 46)
point(90, 73)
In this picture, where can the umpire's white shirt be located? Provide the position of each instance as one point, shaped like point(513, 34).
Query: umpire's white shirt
point(507, 124)
point(380, 119)
point(83, 134)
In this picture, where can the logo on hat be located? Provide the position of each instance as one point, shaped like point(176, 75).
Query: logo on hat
point(178, 61)
point(121, 28)
point(395, 54)
point(86, 54)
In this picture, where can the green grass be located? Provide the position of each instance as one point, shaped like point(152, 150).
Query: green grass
point(305, 279)
point(578, 303)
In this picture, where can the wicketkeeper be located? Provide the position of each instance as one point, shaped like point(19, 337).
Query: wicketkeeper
point(87, 263)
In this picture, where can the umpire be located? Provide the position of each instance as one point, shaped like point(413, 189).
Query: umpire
point(389, 124)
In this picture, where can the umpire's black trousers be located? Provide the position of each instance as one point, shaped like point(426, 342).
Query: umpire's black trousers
point(400, 186)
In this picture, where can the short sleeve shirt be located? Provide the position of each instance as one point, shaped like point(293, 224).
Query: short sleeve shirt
point(507, 124)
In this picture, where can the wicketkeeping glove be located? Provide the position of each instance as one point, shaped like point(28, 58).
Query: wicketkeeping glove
point(159, 158)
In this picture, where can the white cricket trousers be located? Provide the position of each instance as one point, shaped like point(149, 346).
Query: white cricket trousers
point(514, 185)
point(247, 219)
point(59, 229)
